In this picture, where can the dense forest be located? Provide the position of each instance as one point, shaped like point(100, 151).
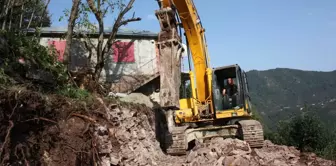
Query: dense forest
point(278, 93)
point(297, 107)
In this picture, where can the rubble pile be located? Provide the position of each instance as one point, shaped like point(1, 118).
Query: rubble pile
point(234, 152)
point(135, 136)
point(53, 130)
point(133, 140)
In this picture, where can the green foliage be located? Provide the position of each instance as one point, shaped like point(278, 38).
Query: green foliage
point(35, 9)
point(73, 92)
point(281, 93)
point(83, 22)
point(272, 136)
point(329, 151)
point(4, 79)
point(38, 8)
point(256, 115)
point(36, 56)
point(306, 132)
point(302, 103)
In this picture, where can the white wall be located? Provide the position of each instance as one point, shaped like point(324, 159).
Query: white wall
point(144, 54)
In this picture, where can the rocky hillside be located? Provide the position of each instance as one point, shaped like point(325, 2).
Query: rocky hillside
point(281, 92)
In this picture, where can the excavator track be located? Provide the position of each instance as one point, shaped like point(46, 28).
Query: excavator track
point(175, 141)
point(252, 133)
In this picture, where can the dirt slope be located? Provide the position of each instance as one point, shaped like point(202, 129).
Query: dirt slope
point(41, 129)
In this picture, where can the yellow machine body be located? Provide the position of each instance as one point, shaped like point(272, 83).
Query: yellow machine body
point(206, 103)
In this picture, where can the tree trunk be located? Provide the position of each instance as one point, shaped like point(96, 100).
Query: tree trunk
point(71, 25)
point(97, 11)
point(5, 14)
point(170, 49)
point(88, 46)
point(31, 18)
point(10, 19)
point(21, 16)
point(100, 55)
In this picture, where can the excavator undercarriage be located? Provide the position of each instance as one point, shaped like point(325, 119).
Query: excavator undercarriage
point(178, 138)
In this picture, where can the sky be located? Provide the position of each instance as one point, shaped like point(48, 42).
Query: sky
point(256, 34)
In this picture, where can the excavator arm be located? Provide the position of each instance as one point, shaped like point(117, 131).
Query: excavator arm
point(195, 37)
point(168, 15)
point(171, 15)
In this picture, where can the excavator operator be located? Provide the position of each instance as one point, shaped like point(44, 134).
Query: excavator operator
point(230, 89)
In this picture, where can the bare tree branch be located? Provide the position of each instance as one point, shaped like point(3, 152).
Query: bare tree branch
point(88, 45)
point(20, 3)
point(43, 13)
point(7, 6)
point(129, 20)
point(105, 11)
point(100, 54)
point(31, 18)
point(5, 13)
point(10, 18)
point(118, 23)
point(32, 15)
point(88, 40)
point(4, 9)
point(97, 8)
point(93, 8)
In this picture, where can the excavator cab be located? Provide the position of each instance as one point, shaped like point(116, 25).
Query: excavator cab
point(239, 102)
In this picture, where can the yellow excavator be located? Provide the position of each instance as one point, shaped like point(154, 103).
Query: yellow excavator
point(208, 113)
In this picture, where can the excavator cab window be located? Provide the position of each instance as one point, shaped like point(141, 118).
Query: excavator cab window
point(220, 77)
point(185, 88)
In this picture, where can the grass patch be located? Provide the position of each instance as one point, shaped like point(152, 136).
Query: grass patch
point(74, 92)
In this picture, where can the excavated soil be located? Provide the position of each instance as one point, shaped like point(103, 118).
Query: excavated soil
point(53, 130)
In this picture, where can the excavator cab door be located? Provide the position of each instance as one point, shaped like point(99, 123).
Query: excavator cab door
point(247, 98)
point(220, 76)
point(217, 93)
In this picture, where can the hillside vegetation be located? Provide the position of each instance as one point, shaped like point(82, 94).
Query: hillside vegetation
point(279, 93)
point(297, 108)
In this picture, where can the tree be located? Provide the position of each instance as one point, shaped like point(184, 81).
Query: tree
point(304, 131)
point(100, 9)
point(329, 151)
point(71, 25)
point(22, 14)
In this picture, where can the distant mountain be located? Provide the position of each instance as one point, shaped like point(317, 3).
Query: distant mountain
point(279, 93)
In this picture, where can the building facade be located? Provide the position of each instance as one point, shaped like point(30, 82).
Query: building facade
point(132, 63)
